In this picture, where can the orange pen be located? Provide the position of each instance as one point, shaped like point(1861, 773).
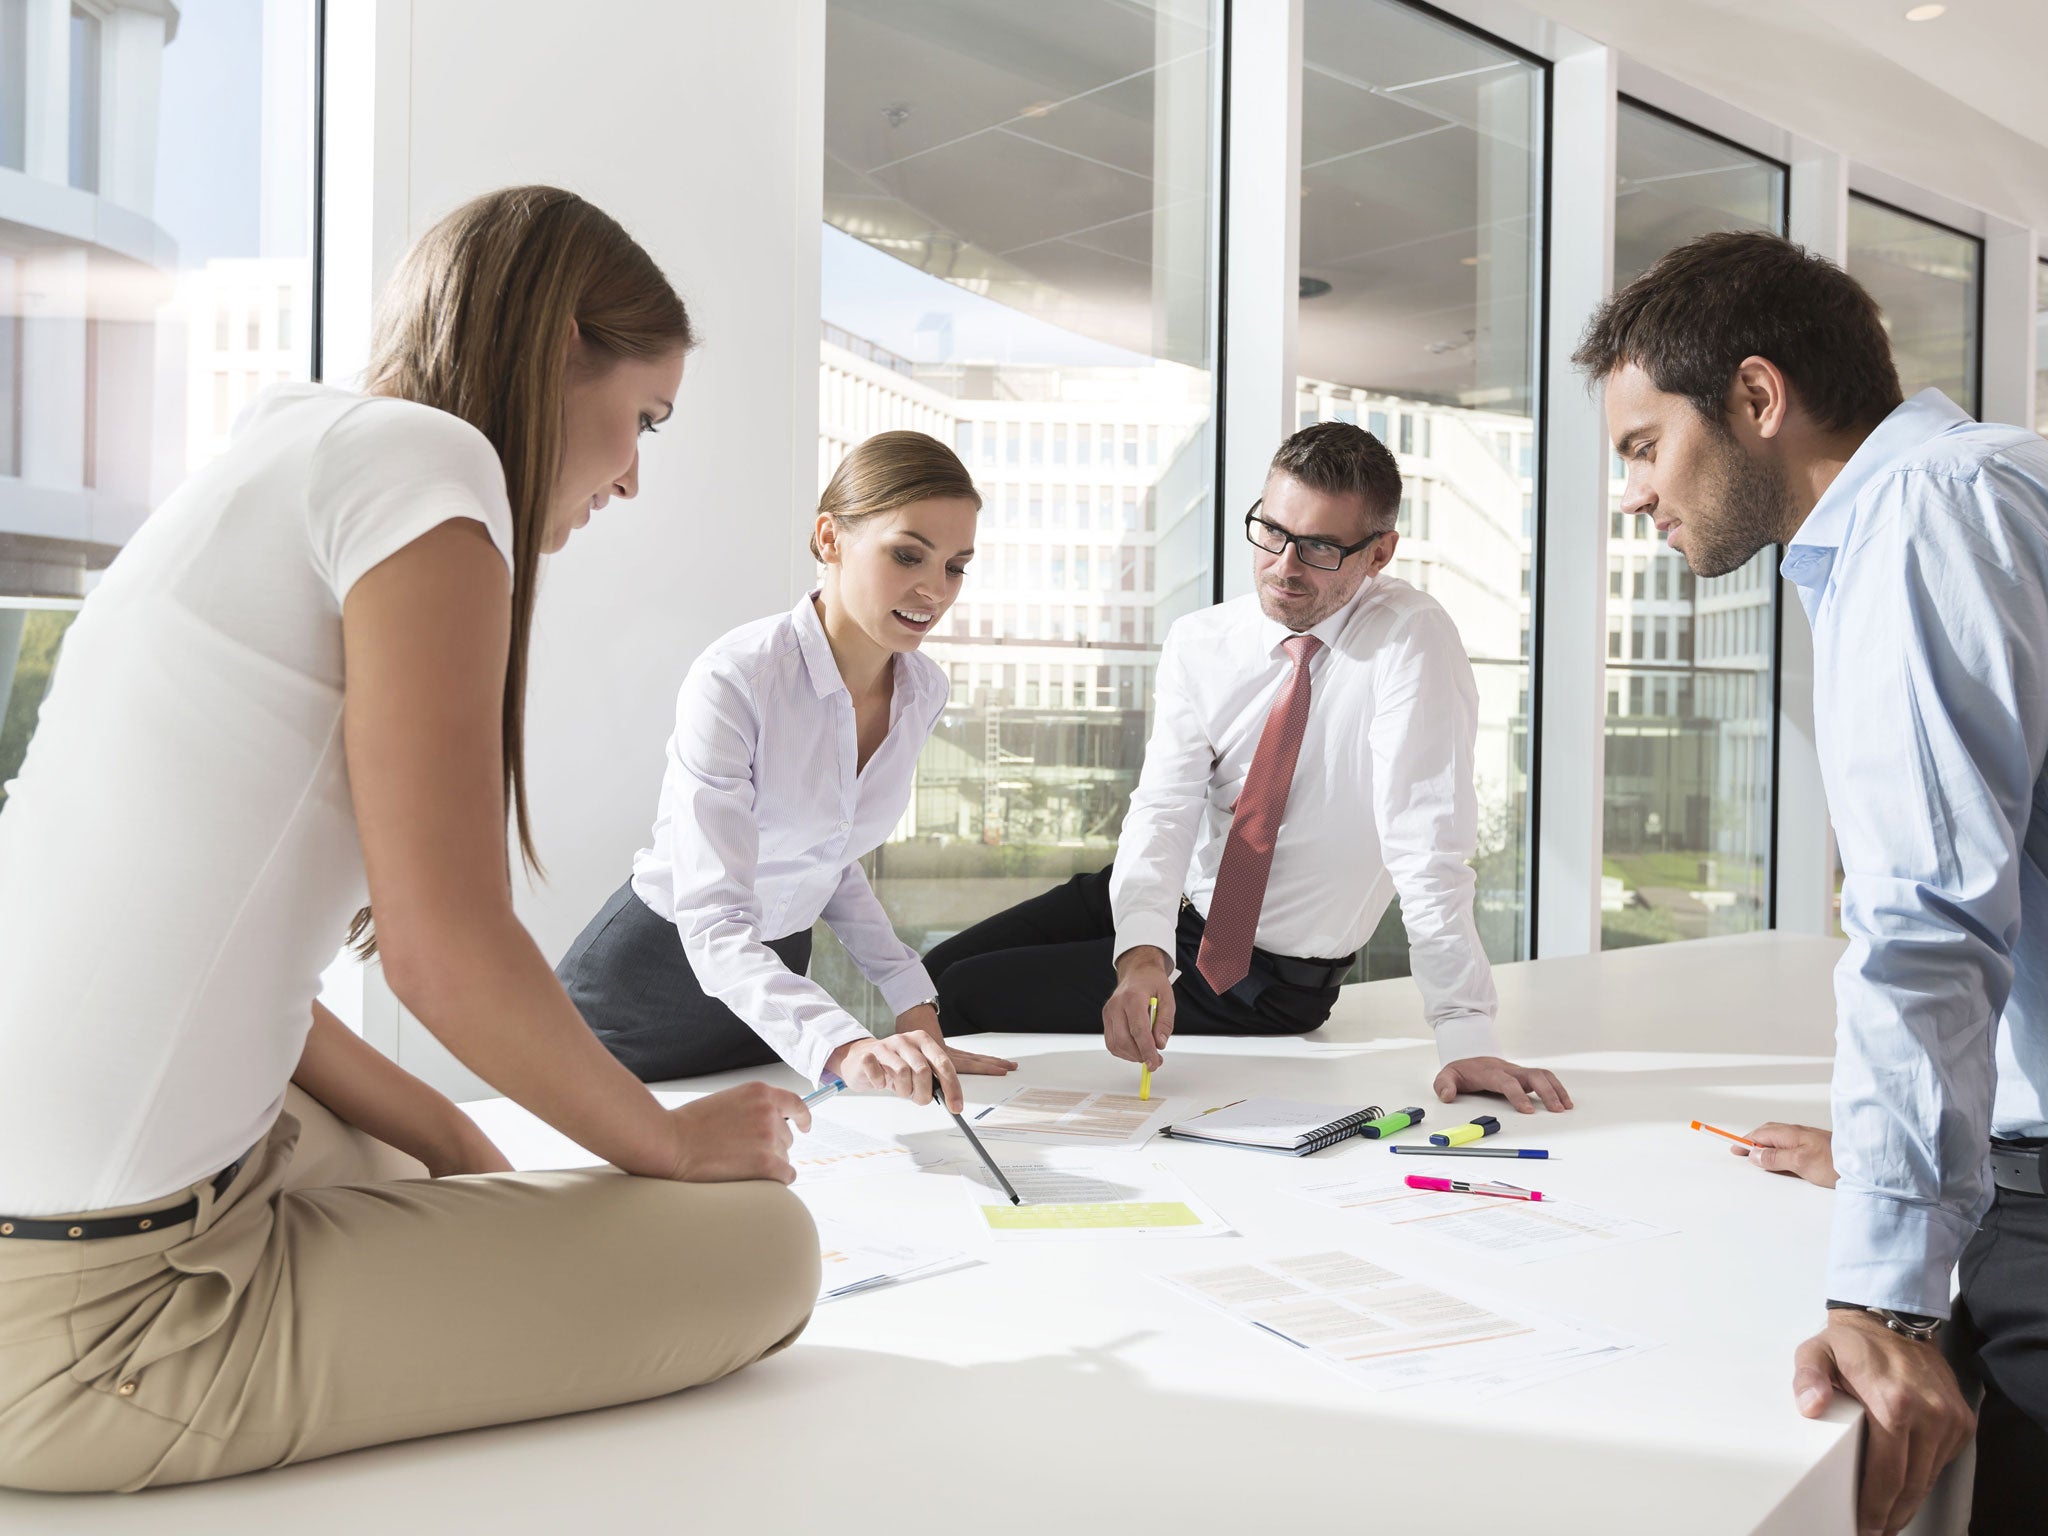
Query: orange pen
point(1701, 1125)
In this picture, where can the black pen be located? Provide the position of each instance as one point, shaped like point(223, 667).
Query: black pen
point(974, 1141)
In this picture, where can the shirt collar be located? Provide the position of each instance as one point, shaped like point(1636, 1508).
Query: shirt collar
point(817, 650)
point(1810, 555)
point(1272, 632)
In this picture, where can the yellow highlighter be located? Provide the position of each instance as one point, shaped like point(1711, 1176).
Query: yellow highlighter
point(1145, 1072)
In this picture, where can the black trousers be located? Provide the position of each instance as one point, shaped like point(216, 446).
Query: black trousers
point(627, 975)
point(2001, 1339)
point(1046, 966)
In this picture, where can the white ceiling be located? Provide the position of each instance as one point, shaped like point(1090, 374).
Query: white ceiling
point(1010, 148)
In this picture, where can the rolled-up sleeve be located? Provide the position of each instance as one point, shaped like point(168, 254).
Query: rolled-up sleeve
point(1424, 724)
point(710, 844)
point(1931, 738)
point(1158, 837)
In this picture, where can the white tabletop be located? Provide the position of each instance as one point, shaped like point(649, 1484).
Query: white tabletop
point(1060, 1387)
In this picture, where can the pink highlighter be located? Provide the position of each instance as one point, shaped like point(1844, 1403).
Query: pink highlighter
point(1461, 1187)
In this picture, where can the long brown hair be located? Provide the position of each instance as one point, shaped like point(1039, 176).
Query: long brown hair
point(477, 322)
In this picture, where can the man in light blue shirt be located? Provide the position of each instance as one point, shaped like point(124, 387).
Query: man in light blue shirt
point(1751, 395)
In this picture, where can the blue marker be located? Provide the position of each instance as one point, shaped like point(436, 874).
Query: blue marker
point(1413, 1151)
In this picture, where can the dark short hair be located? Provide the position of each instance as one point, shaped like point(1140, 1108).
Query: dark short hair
point(1340, 459)
point(1690, 320)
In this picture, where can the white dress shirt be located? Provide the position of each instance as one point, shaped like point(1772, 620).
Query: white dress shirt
point(1382, 799)
point(763, 819)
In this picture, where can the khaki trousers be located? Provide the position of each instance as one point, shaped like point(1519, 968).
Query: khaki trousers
point(334, 1297)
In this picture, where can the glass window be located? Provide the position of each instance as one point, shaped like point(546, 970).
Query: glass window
point(85, 99)
point(212, 193)
point(1928, 280)
point(1421, 181)
point(1688, 790)
point(13, 84)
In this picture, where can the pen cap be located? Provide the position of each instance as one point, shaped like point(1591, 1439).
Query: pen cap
point(1487, 1124)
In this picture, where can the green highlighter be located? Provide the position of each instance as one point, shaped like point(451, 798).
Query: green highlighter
point(1388, 1125)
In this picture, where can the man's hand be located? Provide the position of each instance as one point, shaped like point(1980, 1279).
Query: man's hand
point(1490, 1074)
point(1799, 1150)
point(739, 1133)
point(1128, 1026)
point(1916, 1419)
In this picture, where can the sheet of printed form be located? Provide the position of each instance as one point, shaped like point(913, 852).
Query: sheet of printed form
point(1074, 1117)
point(1070, 1195)
point(1392, 1332)
point(1505, 1231)
point(854, 1261)
point(830, 1149)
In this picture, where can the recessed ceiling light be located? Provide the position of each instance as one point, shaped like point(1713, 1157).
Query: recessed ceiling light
point(1925, 12)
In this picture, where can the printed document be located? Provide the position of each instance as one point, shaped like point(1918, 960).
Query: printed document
point(1069, 1198)
point(1072, 1117)
point(1505, 1231)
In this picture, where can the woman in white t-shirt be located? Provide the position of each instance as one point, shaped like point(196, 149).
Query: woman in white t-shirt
point(229, 1235)
point(795, 748)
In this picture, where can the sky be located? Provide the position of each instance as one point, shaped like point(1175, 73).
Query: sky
point(890, 302)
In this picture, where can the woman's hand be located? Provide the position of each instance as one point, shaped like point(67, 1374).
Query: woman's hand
point(739, 1133)
point(466, 1150)
point(1799, 1150)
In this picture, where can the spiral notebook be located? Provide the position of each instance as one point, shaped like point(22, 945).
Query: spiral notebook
point(1287, 1126)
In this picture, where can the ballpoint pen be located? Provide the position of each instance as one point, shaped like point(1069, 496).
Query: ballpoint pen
point(1701, 1125)
point(975, 1142)
point(819, 1095)
point(1417, 1151)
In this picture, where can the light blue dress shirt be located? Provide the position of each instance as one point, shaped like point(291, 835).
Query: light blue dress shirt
point(1924, 572)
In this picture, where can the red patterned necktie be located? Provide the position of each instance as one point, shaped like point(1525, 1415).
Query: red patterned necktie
point(1226, 952)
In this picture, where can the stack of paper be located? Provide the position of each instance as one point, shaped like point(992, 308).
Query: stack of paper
point(1392, 1332)
point(1506, 1231)
point(1068, 1198)
point(854, 1261)
point(1070, 1116)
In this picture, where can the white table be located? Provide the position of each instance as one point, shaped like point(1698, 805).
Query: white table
point(1060, 1388)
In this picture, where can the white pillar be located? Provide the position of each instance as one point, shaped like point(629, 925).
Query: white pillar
point(1264, 279)
point(2011, 262)
point(1803, 874)
point(1571, 748)
point(53, 355)
point(131, 64)
point(46, 120)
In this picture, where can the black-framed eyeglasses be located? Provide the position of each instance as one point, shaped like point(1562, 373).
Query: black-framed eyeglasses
point(1321, 554)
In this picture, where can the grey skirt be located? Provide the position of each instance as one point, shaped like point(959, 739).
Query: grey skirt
point(627, 975)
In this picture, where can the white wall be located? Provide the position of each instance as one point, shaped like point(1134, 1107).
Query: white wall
point(697, 125)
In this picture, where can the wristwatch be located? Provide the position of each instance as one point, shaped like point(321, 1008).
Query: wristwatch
point(1911, 1324)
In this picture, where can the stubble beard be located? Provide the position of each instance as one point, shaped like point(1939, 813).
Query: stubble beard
point(1750, 499)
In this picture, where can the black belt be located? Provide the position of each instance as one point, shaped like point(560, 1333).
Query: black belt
point(2020, 1166)
point(83, 1229)
point(1311, 975)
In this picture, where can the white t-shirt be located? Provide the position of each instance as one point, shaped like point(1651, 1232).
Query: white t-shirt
point(178, 858)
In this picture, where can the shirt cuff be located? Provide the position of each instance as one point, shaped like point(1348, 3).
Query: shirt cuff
point(1463, 1035)
point(1143, 928)
point(907, 988)
point(819, 1043)
point(1885, 1252)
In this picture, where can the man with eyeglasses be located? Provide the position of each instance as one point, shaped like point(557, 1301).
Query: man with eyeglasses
point(1311, 758)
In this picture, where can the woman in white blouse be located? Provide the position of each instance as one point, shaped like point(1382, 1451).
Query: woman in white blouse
point(795, 747)
point(232, 1234)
